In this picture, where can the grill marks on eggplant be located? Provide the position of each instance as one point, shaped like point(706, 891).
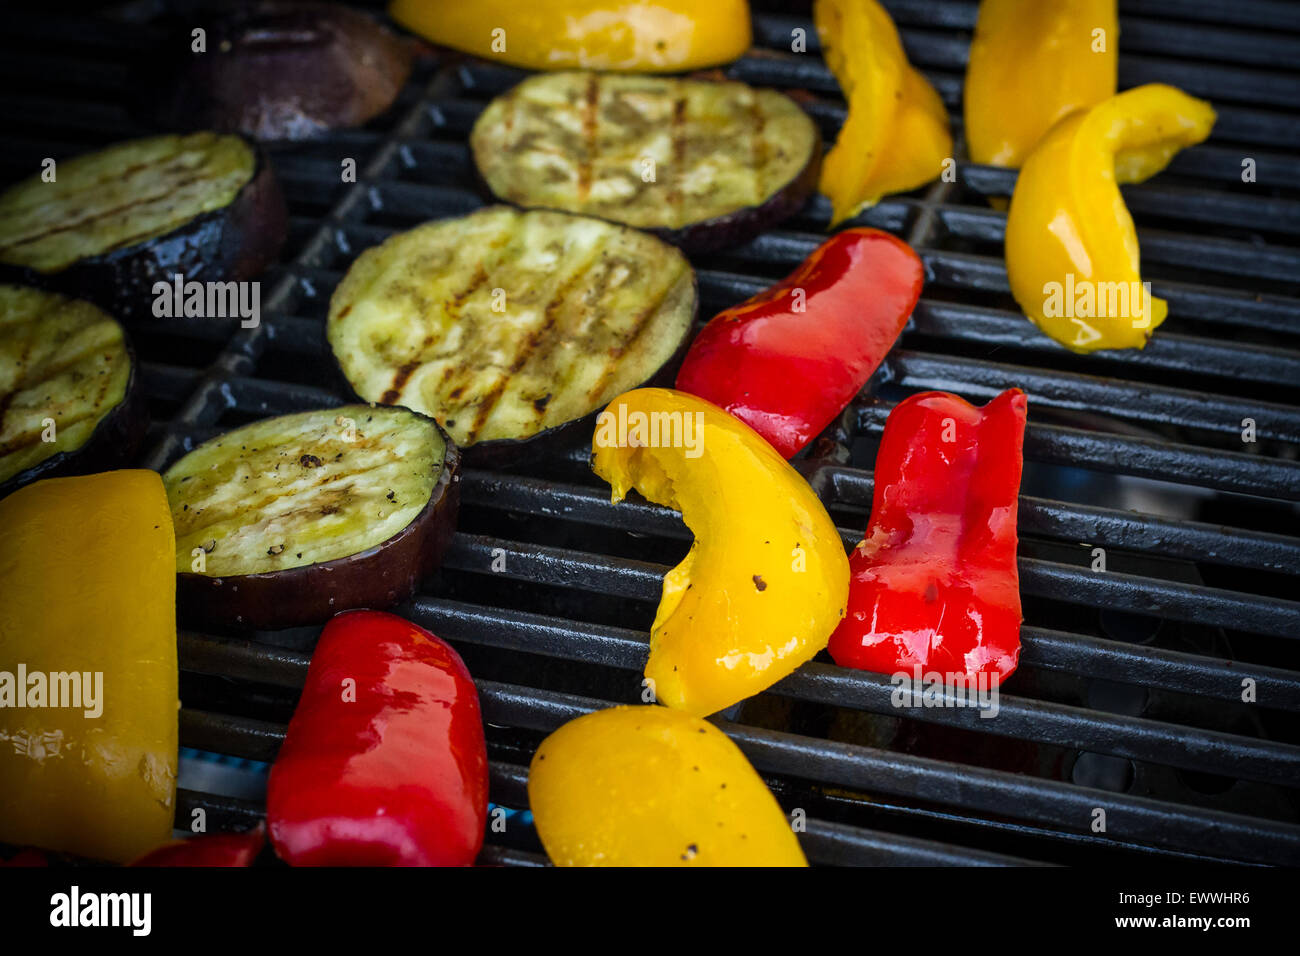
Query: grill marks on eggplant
point(62, 360)
point(120, 197)
point(581, 142)
point(293, 491)
point(590, 121)
point(503, 324)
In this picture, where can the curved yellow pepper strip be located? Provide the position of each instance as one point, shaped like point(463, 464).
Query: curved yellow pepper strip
point(645, 36)
point(766, 580)
point(649, 786)
point(896, 135)
point(88, 612)
point(1032, 63)
point(1072, 251)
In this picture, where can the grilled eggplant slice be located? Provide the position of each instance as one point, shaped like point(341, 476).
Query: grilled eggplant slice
point(67, 373)
point(115, 222)
point(281, 72)
point(702, 164)
point(290, 520)
point(507, 325)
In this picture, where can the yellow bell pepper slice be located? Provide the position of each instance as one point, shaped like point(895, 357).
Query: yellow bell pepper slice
point(1071, 248)
point(1032, 63)
point(649, 786)
point(88, 735)
point(642, 36)
point(896, 135)
point(766, 580)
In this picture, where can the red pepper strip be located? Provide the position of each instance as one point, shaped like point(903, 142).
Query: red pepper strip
point(27, 857)
point(934, 582)
point(210, 849)
point(384, 762)
point(787, 361)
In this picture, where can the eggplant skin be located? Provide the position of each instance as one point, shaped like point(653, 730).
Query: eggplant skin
point(376, 578)
point(113, 443)
point(234, 243)
point(729, 160)
point(287, 72)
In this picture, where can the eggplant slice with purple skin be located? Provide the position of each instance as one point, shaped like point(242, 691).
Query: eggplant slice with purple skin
point(70, 395)
point(511, 328)
point(287, 72)
point(290, 520)
point(114, 223)
point(701, 164)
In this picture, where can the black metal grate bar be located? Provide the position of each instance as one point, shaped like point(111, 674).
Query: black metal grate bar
point(995, 792)
point(1146, 822)
point(1144, 458)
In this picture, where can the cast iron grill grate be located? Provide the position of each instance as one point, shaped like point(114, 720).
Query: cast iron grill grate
point(1129, 694)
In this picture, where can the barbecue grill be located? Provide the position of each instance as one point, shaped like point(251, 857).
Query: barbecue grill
point(1129, 697)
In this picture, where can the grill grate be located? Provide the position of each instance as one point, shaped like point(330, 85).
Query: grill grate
point(1129, 693)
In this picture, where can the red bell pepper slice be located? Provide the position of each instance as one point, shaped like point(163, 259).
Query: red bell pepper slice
point(384, 762)
point(209, 849)
point(788, 360)
point(27, 857)
point(934, 582)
